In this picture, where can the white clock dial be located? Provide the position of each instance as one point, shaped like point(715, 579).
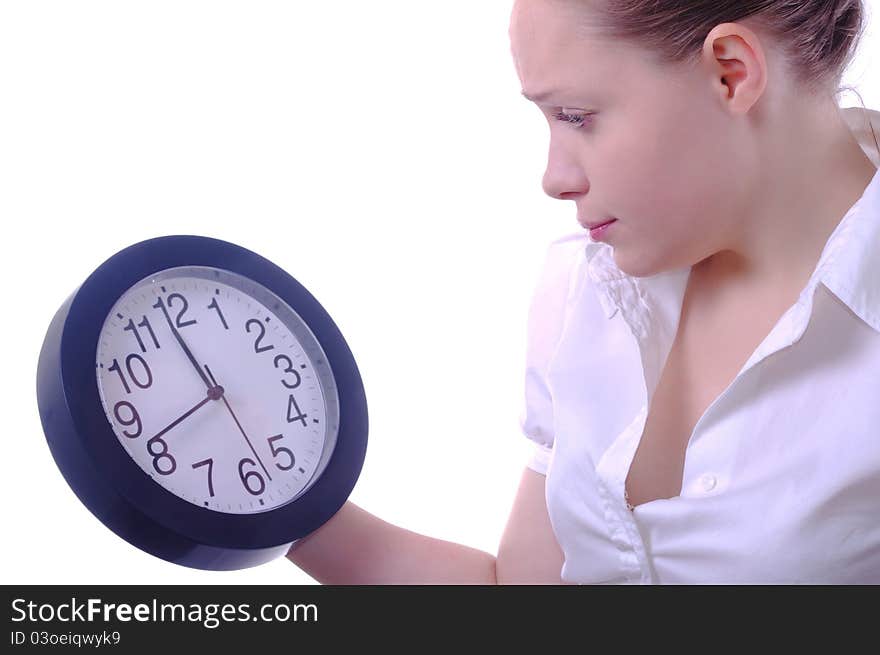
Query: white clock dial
point(245, 425)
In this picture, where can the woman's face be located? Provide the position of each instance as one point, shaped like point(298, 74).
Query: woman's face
point(660, 154)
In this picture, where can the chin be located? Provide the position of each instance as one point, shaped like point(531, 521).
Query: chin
point(641, 265)
point(638, 266)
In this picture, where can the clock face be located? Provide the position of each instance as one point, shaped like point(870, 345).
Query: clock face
point(217, 389)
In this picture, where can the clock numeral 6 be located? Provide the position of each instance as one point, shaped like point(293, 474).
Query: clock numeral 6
point(250, 475)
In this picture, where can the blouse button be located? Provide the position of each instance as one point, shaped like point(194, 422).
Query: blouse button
point(708, 482)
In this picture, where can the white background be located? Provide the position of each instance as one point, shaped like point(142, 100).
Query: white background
point(380, 152)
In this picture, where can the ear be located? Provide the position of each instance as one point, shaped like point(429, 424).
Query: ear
point(735, 61)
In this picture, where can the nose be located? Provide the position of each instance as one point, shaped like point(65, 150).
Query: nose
point(564, 177)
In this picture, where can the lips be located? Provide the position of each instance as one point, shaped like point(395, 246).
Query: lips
point(593, 226)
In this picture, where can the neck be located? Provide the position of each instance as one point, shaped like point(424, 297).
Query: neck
point(813, 173)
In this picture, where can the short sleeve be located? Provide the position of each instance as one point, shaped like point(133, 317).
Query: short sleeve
point(546, 317)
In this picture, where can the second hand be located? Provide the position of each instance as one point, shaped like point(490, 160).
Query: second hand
point(241, 429)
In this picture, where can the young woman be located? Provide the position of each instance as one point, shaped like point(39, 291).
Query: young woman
point(703, 366)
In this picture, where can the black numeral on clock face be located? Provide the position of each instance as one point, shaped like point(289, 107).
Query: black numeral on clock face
point(291, 404)
point(288, 369)
point(247, 478)
point(161, 454)
point(134, 419)
point(181, 324)
point(145, 323)
point(257, 347)
point(281, 449)
point(214, 305)
point(210, 464)
point(145, 372)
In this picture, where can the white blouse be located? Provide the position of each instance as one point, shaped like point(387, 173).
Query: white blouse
point(781, 479)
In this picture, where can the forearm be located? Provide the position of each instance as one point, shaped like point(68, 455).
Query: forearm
point(355, 547)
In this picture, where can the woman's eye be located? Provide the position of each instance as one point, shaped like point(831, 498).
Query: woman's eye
point(578, 120)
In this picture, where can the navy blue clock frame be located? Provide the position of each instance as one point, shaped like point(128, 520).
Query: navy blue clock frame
point(113, 486)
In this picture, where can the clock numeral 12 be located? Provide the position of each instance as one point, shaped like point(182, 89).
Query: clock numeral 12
point(159, 304)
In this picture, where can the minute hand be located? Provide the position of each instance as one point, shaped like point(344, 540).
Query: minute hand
point(161, 305)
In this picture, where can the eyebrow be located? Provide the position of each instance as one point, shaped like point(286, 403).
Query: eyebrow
point(538, 96)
